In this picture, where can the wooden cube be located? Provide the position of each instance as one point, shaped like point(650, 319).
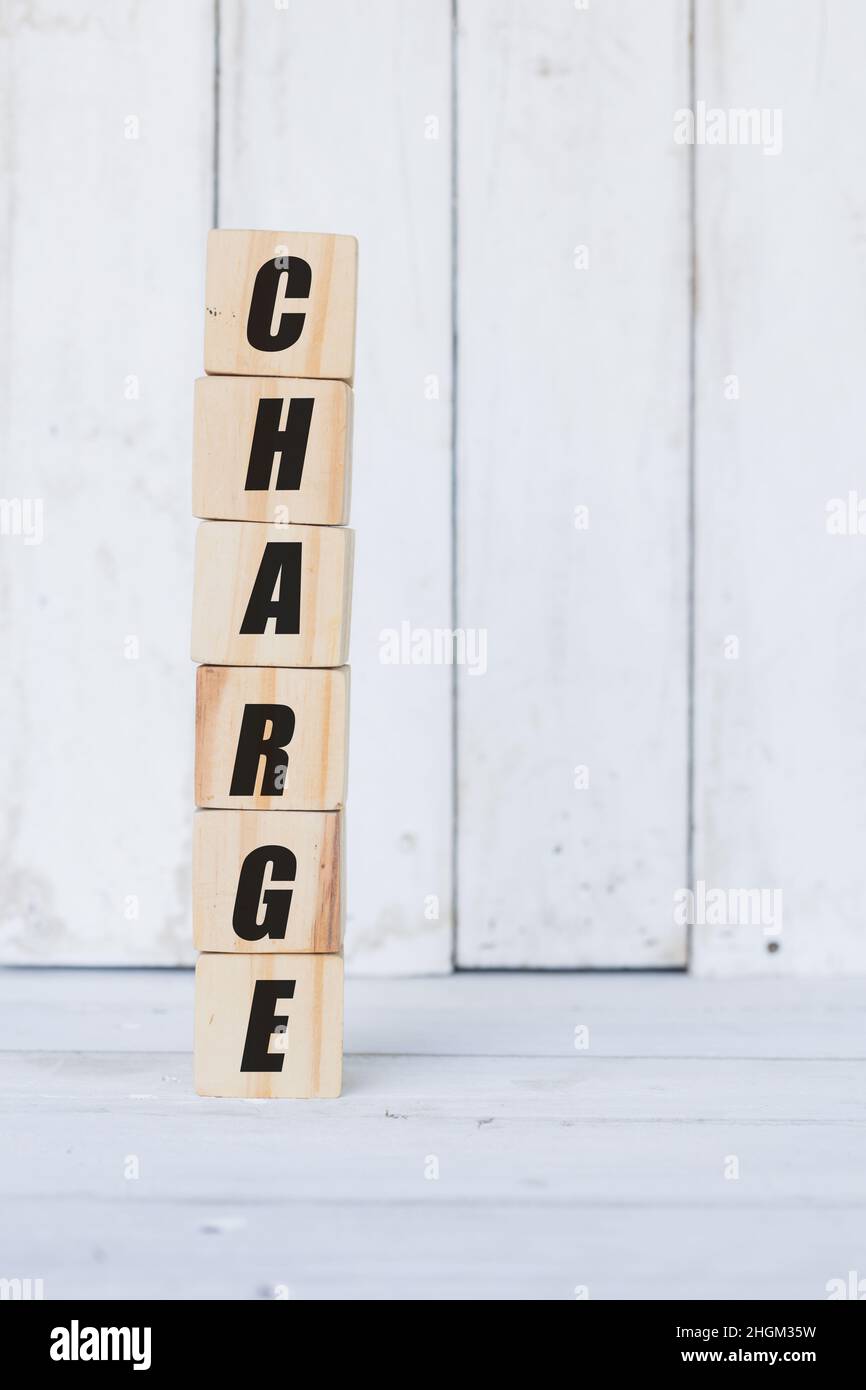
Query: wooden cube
point(265, 449)
point(267, 881)
point(272, 595)
point(270, 739)
point(280, 304)
point(269, 1025)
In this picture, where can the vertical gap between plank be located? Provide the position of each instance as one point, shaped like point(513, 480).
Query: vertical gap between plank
point(215, 210)
point(691, 488)
point(455, 605)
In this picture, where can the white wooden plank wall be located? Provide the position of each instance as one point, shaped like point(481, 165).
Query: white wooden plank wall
point(574, 319)
point(781, 420)
point(106, 157)
point(324, 117)
point(573, 392)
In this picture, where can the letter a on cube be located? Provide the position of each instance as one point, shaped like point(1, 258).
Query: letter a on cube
point(272, 595)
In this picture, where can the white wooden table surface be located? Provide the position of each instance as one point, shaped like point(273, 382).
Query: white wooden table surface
point(559, 1168)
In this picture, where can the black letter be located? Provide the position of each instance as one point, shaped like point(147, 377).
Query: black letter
point(263, 1023)
point(269, 284)
point(280, 564)
point(254, 744)
point(252, 893)
point(290, 444)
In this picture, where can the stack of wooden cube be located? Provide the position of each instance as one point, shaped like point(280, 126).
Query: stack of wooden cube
point(271, 609)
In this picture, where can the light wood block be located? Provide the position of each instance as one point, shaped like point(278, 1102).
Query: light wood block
point(270, 739)
point(272, 595)
point(265, 449)
point(267, 881)
point(280, 304)
point(269, 1026)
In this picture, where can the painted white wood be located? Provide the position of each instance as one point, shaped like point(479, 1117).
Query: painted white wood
point(569, 1090)
point(480, 1014)
point(782, 293)
point(107, 165)
point(325, 110)
point(573, 392)
point(427, 1251)
point(504, 1159)
point(553, 1171)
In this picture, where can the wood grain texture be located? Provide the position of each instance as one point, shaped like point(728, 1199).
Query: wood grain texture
point(780, 402)
point(222, 841)
point(573, 482)
point(337, 116)
point(323, 344)
point(226, 411)
point(316, 749)
point(307, 1030)
point(107, 164)
point(244, 565)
